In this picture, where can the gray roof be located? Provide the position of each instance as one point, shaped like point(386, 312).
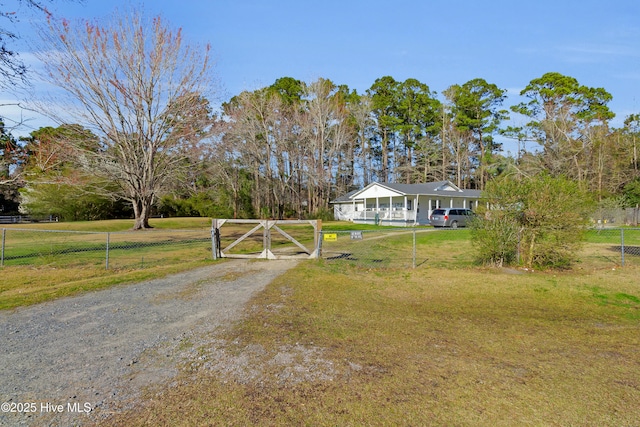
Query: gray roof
point(429, 188)
point(346, 197)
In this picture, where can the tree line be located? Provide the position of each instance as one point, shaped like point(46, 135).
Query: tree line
point(147, 138)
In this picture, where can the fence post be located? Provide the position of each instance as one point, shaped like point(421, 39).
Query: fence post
point(414, 248)
point(266, 238)
point(4, 230)
point(317, 234)
point(622, 246)
point(106, 267)
point(214, 239)
point(320, 238)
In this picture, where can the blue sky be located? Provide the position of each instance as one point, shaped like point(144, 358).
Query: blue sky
point(440, 43)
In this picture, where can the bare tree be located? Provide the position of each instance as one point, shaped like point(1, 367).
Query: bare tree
point(8, 153)
point(328, 134)
point(360, 110)
point(128, 80)
point(13, 71)
point(253, 118)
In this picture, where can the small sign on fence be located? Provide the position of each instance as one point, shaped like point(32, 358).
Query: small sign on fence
point(356, 235)
point(330, 237)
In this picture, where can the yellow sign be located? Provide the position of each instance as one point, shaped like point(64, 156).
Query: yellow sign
point(330, 237)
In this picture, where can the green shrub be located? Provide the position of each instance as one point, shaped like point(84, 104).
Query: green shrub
point(495, 239)
point(323, 214)
point(537, 221)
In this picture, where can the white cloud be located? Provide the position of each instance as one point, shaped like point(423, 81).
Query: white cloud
point(514, 91)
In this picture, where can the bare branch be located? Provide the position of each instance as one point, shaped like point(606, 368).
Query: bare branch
point(137, 85)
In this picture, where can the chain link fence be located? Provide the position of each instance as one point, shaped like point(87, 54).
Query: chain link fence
point(385, 248)
point(611, 246)
point(409, 248)
point(379, 248)
point(108, 249)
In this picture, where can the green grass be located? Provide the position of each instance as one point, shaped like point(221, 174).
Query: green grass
point(613, 236)
point(116, 225)
point(68, 249)
point(393, 248)
point(332, 343)
point(27, 285)
point(41, 266)
point(329, 226)
point(431, 346)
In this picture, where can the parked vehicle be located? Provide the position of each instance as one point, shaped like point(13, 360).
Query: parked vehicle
point(451, 217)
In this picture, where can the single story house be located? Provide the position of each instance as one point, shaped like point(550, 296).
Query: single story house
point(401, 204)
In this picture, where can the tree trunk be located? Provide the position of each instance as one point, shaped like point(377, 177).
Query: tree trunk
point(141, 211)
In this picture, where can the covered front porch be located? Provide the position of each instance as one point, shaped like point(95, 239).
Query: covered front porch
point(398, 210)
point(401, 204)
point(403, 210)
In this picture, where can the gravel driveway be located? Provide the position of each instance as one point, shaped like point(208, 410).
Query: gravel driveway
point(67, 361)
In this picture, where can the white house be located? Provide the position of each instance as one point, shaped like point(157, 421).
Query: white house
point(401, 204)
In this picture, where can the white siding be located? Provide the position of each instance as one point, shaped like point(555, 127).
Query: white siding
point(376, 191)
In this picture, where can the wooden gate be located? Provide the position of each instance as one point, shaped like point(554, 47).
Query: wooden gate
point(268, 227)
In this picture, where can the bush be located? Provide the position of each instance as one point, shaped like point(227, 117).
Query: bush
point(70, 203)
point(536, 221)
point(201, 204)
point(325, 214)
point(495, 239)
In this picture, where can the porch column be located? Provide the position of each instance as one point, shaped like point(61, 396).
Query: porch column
point(390, 208)
point(353, 210)
point(451, 202)
point(364, 210)
point(405, 208)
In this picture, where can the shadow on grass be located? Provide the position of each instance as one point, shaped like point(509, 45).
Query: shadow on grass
point(628, 250)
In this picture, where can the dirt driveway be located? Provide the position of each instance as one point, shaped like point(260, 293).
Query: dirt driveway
point(67, 361)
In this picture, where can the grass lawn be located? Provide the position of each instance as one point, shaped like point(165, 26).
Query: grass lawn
point(40, 266)
point(447, 343)
point(332, 344)
point(116, 225)
point(48, 272)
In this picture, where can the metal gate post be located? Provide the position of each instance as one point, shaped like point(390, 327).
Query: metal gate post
point(107, 256)
point(622, 246)
point(414, 248)
point(4, 231)
point(214, 246)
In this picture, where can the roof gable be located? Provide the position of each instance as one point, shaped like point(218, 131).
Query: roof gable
point(376, 189)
